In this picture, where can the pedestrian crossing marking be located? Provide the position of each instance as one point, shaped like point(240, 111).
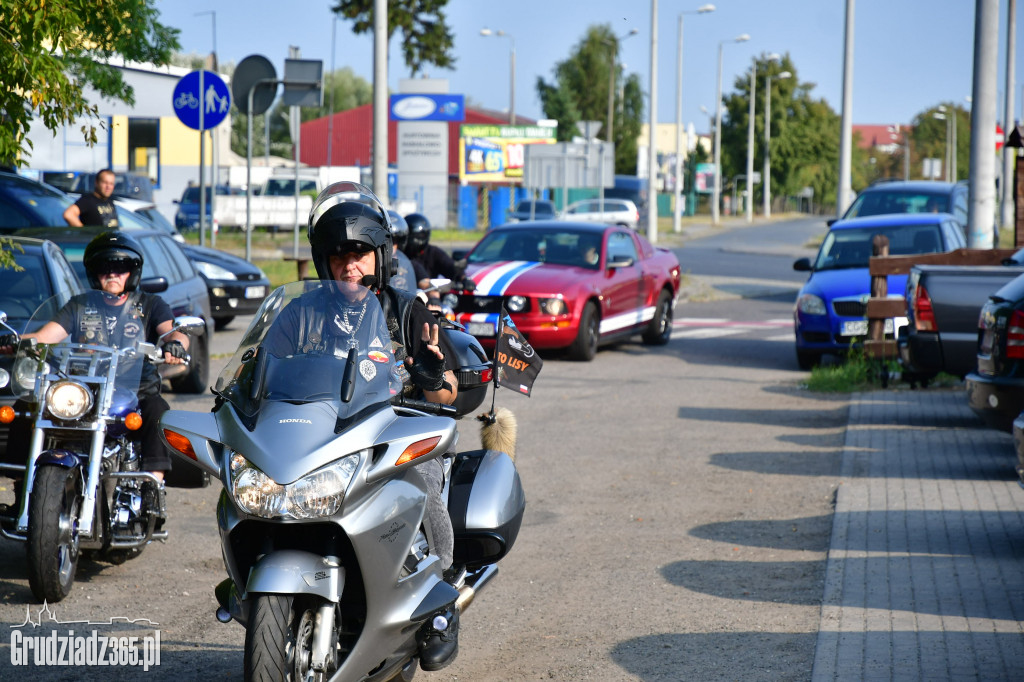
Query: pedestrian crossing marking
point(716, 327)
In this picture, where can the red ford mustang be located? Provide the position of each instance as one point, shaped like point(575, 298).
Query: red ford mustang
point(569, 285)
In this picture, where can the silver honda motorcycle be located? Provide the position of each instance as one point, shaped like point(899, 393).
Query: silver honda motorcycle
point(81, 487)
point(322, 518)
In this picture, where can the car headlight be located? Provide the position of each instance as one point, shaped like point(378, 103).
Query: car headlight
point(25, 373)
point(516, 304)
point(317, 494)
point(809, 304)
point(68, 400)
point(212, 271)
point(553, 306)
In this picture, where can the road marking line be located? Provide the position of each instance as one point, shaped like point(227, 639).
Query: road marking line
point(706, 333)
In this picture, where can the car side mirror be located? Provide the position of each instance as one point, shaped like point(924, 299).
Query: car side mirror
point(802, 265)
point(620, 261)
point(830, 221)
point(154, 285)
point(459, 254)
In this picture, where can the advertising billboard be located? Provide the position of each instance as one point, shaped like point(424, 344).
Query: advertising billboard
point(495, 153)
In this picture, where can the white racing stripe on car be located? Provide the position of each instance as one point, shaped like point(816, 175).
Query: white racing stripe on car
point(623, 320)
point(497, 281)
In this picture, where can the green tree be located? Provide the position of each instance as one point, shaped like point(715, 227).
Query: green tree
point(805, 134)
point(350, 91)
point(426, 36)
point(51, 51)
point(579, 92)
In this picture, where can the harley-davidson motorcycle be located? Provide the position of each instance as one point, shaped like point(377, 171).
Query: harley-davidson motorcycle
point(327, 546)
point(81, 487)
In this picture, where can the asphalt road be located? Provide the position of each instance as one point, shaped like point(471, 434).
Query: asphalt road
point(679, 509)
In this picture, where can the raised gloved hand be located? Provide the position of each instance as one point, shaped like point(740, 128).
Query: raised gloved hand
point(427, 367)
point(176, 350)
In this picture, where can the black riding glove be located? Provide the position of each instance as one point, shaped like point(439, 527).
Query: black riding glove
point(427, 370)
point(8, 340)
point(176, 350)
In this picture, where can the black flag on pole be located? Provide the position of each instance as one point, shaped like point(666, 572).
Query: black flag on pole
point(516, 363)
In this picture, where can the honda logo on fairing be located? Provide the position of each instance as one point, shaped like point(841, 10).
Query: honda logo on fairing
point(294, 421)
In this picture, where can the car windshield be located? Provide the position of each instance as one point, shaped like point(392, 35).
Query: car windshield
point(851, 247)
point(559, 247)
point(22, 291)
point(880, 202)
point(48, 203)
point(539, 208)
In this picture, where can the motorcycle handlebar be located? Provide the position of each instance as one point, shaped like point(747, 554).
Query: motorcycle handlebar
point(425, 406)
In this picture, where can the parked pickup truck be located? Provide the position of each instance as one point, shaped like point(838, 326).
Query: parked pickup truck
point(943, 304)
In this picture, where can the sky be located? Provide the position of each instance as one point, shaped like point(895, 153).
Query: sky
point(909, 55)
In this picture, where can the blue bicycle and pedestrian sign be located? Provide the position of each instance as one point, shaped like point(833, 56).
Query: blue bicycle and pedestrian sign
point(201, 103)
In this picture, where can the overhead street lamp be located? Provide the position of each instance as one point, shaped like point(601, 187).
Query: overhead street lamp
point(611, 82)
point(677, 212)
point(940, 115)
point(717, 188)
point(767, 140)
point(512, 71)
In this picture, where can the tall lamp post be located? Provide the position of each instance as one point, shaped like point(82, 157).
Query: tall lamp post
point(652, 134)
point(330, 118)
point(768, 139)
point(512, 71)
point(717, 188)
point(610, 126)
point(677, 211)
point(940, 115)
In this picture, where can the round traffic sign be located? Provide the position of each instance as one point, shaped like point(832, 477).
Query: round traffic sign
point(201, 100)
point(254, 72)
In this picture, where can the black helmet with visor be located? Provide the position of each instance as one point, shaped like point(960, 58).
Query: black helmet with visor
point(113, 251)
point(348, 217)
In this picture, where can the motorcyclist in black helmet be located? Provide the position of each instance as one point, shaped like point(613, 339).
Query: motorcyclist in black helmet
point(350, 236)
point(434, 261)
point(404, 273)
point(116, 312)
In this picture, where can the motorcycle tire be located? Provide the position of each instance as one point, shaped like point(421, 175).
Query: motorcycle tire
point(53, 532)
point(279, 639)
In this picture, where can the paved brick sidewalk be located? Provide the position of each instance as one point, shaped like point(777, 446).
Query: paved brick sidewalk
point(925, 574)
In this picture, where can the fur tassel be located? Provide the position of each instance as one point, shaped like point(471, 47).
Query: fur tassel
point(499, 432)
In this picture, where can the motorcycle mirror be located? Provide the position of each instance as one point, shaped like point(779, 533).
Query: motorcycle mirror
point(187, 324)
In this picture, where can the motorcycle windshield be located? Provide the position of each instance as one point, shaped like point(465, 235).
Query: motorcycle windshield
point(100, 336)
point(314, 341)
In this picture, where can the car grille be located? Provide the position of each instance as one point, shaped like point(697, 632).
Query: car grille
point(480, 304)
point(850, 308)
point(248, 276)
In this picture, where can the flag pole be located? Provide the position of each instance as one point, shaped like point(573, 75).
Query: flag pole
point(489, 418)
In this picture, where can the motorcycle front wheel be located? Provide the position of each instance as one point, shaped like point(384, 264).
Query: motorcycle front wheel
point(53, 532)
point(279, 639)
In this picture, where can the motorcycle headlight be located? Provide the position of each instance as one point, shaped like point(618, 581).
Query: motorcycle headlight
point(317, 494)
point(516, 304)
point(68, 400)
point(25, 373)
point(450, 301)
point(809, 304)
point(5, 378)
point(553, 306)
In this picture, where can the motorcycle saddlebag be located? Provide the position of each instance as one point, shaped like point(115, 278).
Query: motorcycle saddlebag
point(474, 373)
point(486, 503)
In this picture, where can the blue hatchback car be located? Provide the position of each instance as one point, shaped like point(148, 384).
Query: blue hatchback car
point(829, 315)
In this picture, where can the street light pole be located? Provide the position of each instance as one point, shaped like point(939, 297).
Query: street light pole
point(512, 71)
point(330, 118)
point(652, 153)
point(767, 140)
point(749, 202)
point(610, 126)
point(717, 187)
point(677, 211)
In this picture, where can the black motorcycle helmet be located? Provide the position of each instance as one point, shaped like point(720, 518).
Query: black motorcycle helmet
point(419, 234)
point(348, 216)
point(113, 248)
point(399, 230)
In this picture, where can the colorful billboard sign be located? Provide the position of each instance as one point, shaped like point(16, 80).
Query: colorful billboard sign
point(495, 153)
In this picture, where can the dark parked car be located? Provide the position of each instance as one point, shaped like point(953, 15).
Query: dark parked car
point(187, 216)
point(236, 286)
point(45, 272)
point(166, 271)
point(126, 185)
point(27, 203)
point(996, 390)
point(533, 209)
point(913, 196)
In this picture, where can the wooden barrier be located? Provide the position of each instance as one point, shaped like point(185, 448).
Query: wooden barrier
point(880, 307)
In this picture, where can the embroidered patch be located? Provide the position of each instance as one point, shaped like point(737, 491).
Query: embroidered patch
point(367, 369)
point(378, 356)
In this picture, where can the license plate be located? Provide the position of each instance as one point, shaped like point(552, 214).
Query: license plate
point(860, 327)
point(255, 292)
point(480, 328)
